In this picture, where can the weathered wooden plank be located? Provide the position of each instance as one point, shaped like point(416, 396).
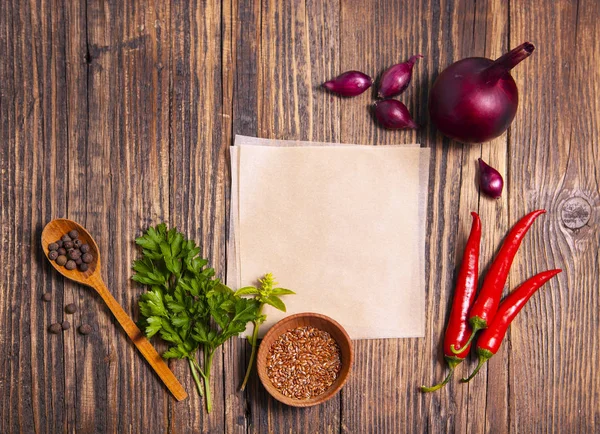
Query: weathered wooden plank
point(554, 144)
point(198, 171)
point(32, 162)
point(241, 57)
point(119, 147)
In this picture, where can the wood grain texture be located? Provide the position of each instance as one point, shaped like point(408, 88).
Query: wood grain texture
point(118, 114)
point(554, 148)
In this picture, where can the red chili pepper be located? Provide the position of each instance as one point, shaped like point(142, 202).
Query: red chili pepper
point(491, 338)
point(458, 329)
point(486, 305)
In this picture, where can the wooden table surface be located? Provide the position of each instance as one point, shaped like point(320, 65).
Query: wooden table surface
point(119, 115)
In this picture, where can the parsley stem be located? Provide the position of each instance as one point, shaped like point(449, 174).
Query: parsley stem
point(254, 343)
point(195, 375)
point(208, 357)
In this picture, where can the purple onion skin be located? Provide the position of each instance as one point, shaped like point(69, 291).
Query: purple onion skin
point(490, 180)
point(475, 100)
point(393, 115)
point(396, 79)
point(349, 83)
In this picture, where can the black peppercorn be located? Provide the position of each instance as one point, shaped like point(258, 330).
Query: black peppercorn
point(52, 246)
point(85, 248)
point(66, 238)
point(55, 328)
point(83, 266)
point(61, 260)
point(53, 255)
point(77, 243)
point(87, 258)
point(73, 234)
point(71, 308)
point(68, 245)
point(74, 254)
point(70, 265)
point(85, 329)
point(66, 325)
point(59, 243)
point(62, 251)
point(47, 296)
point(79, 261)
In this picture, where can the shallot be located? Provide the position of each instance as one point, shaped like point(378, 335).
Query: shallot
point(490, 180)
point(396, 79)
point(349, 83)
point(393, 115)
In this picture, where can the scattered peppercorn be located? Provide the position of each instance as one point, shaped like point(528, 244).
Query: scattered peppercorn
point(70, 265)
point(65, 238)
point(66, 325)
point(62, 251)
point(71, 308)
point(83, 266)
point(73, 234)
point(53, 255)
point(85, 248)
point(55, 328)
point(61, 260)
point(47, 296)
point(85, 329)
point(87, 258)
point(52, 246)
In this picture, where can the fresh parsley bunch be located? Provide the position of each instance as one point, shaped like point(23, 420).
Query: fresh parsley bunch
point(185, 304)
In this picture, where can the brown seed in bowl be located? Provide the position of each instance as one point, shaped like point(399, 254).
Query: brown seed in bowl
point(303, 362)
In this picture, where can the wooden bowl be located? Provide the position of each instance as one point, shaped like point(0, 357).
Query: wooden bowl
point(320, 322)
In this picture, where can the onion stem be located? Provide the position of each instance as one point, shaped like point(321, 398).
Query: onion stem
point(508, 61)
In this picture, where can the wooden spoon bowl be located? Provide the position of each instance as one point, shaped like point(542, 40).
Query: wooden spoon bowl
point(54, 231)
point(93, 278)
point(320, 322)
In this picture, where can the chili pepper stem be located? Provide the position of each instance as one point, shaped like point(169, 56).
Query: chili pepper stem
point(425, 389)
point(484, 356)
point(452, 362)
point(476, 324)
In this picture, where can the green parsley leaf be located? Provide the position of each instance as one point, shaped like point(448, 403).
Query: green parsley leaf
point(185, 303)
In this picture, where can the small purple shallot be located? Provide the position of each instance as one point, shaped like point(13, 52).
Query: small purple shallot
point(393, 115)
point(349, 83)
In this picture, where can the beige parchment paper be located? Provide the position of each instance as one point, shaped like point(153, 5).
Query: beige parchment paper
point(343, 226)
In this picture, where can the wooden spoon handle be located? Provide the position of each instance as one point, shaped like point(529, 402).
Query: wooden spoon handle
point(140, 341)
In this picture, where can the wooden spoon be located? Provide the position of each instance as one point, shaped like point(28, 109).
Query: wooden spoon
point(92, 277)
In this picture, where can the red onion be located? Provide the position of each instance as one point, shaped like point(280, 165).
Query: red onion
point(475, 100)
point(490, 180)
point(396, 79)
point(349, 83)
point(393, 115)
